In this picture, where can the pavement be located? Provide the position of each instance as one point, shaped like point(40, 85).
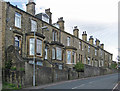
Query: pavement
point(99, 82)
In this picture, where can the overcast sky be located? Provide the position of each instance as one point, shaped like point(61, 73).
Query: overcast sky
point(98, 17)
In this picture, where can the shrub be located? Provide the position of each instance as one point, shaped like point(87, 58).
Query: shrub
point(79, 67)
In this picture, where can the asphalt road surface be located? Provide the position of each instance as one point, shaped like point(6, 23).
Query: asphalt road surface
point(99, 82)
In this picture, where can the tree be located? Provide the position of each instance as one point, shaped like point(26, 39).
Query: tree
point(79, 67)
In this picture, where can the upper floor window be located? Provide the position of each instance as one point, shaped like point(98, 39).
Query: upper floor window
point(68, 57)
point(32, 46)
point(18, 20)
point(88, 48)
point(59, 53)
point(45, 18)
point(80, 45)
point(54, 35)
point(68, 41)
point(33, 25)
point(95, 52)
point(39, 47)
point(101, 52)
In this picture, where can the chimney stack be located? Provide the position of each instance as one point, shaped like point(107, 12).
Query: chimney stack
point(47, 11)
point(102, 46)
point(97, 42)
point(60, 22)
point(31, 7)
point(91, 40)
point(76, 32)
point(84, 36)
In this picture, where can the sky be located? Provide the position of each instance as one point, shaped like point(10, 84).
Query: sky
point(98, 17)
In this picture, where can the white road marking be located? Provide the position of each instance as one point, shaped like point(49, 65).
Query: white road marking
point(115, 87)
point(78, 86)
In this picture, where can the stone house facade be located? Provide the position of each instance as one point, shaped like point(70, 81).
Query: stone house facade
point(35, 36)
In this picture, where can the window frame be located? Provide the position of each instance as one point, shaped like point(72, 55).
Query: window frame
point(33, 25)
point(68, 41)
point(57, 48)
point(18, 16)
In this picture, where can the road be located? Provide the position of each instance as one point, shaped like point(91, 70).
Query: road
point(99, 82)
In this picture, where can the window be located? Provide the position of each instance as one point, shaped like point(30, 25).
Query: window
point(68, 41)
point(59, 53)
point(80, 45)
point(32, 46)
point(33, 25)
point(101, 52)
point(68, 57)
point(99, 63)
point(17, 41)
point(102, 63)
point(89, 61)
point(60, 67)
point(53, 53)
point(18, 20)
point(39, 63)
point(74, 57)
point(96, 64)
point(54, 35)
point(95, 52)
point(46, 53)
point(46, 19)
point(88, 48)
point(39, 47)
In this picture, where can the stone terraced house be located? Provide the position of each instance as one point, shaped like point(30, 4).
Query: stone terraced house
point(35, 36)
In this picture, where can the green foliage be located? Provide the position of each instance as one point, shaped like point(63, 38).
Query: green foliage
point(113, 65)
point(13, 68)
point(79, 67)
point(22, 69)
point(8, 64)
point(8, 86)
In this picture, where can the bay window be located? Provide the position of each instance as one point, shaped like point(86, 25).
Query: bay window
point(39, 47)
point(88, 48)
point(59, 53)
point(89, 61)
point(33, 25)
point(74, 57)
point(53, 53)
point(95, 52)
point(18, 20)
point(68, 57)
point(32, 46)
point(46, 53)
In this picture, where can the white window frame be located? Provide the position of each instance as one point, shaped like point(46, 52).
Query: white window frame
point(17, 20)
point(33, 25)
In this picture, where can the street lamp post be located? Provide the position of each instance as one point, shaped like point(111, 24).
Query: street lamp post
point(44, 27)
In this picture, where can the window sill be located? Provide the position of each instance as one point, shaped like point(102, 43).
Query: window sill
point(17, 27)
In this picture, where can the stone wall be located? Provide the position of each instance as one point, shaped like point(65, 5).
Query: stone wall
point(45, 75)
